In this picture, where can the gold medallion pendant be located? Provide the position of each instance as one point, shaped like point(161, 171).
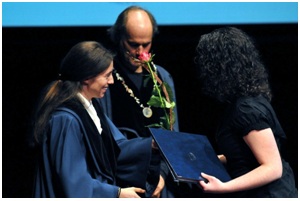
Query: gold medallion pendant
point(147, 112)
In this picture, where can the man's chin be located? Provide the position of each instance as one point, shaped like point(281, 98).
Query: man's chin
point(132, 65)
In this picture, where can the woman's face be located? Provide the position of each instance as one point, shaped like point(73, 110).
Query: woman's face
point(97, 86)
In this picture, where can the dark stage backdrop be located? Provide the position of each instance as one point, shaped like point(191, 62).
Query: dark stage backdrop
point(31, 57)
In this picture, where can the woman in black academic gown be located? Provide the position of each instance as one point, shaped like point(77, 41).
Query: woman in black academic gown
point(81, 152)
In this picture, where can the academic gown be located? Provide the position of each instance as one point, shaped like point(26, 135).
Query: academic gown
point(136, 123)
point(129, 107)
point(75, 162)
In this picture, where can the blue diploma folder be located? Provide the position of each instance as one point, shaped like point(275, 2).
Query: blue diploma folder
point(187, 155)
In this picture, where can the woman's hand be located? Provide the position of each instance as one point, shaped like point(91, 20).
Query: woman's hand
point(131, 192)
point(213, 185)
point(263, 146)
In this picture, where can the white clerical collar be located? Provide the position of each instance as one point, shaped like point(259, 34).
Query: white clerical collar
point(91, 110)
point(84, 101)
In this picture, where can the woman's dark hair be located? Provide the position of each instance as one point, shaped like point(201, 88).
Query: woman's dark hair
point(229, 66)
point(85, 60)
point(118, 30)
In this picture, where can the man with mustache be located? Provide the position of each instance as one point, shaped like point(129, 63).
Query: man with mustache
point(126, 100)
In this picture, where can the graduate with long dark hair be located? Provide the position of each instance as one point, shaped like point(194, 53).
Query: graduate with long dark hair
point(80, 151)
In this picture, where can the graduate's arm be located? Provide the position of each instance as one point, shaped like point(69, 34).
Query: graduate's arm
point(68, 155)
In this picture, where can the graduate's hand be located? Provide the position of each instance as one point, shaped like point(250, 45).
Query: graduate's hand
point(212, 185)
point(131, 192)
point(159, 187)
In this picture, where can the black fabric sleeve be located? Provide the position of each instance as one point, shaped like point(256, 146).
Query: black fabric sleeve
point(250, 115)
